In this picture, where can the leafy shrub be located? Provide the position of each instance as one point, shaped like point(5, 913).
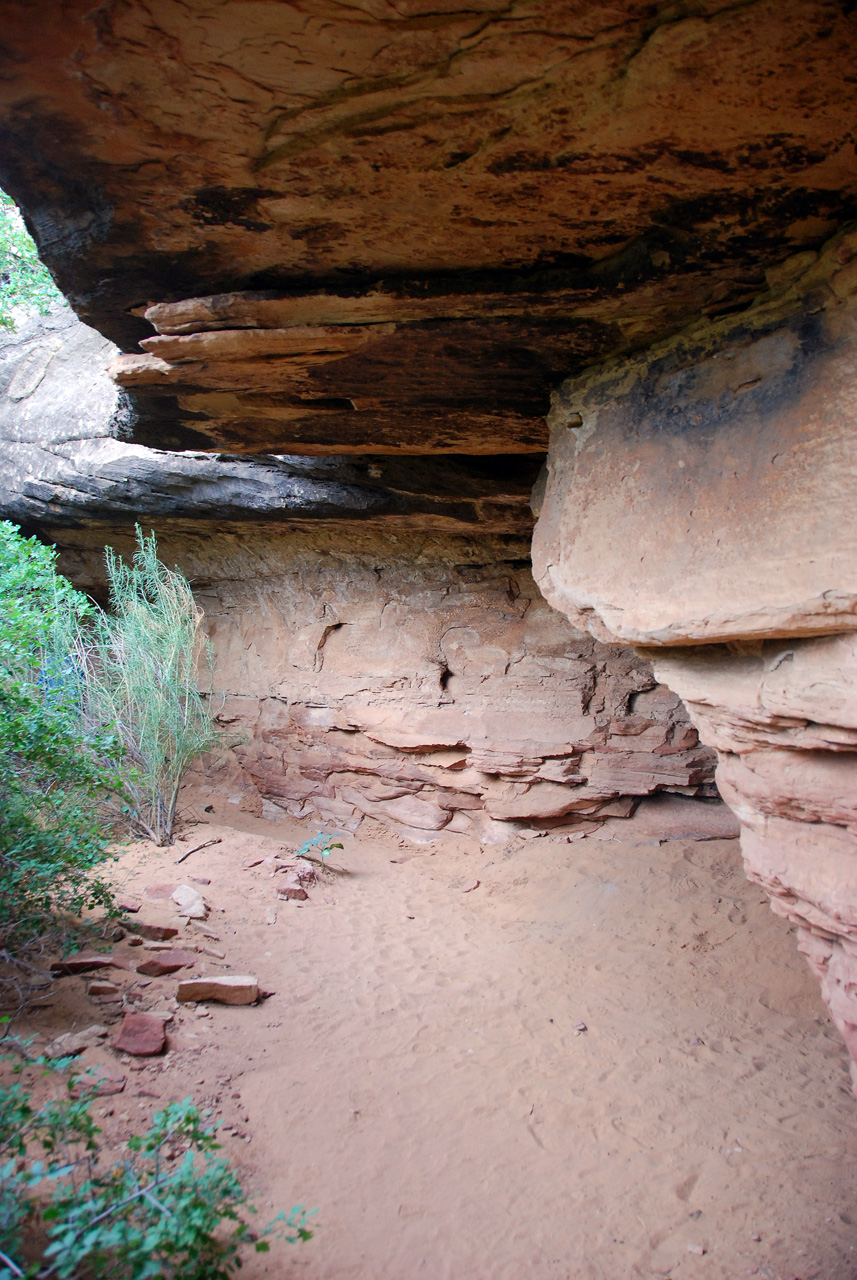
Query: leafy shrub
point(25, 282)
point(54, 774)
point(139, 665)
point(157, 1213)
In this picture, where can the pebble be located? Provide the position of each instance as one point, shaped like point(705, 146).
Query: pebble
point(468, 888)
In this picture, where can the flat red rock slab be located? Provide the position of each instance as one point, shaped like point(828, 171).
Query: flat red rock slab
point(292, 893)
point(128, 904)
point(85, 961)
point(164, 962)
point(141, 1035)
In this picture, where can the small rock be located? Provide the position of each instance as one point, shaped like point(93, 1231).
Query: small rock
point(128, 904)
point(202, 1012)
point(270, 915)
point(154, 944)
point(292, 893)
point(190, 902)
point(696, 1248)
point(580, 1027)
point(110, 1085)
point(210, 951)
point(200, 879)
point(468, 888)
point(100, 987)
point(104, 1088)
point(74, 1042)
point(135, 942)
point(156, 932)
point(141, 1034)
point(234, 989)
point(165, 962)
point(253, 862)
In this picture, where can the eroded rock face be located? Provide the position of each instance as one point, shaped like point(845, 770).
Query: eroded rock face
point(705, 490)
point(421, 681)
point(716, 475)
point(783, 717)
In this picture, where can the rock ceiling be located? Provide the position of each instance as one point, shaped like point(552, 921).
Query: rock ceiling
point(367, 228)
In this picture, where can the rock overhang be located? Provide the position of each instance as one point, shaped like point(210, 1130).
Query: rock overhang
point(519, 191)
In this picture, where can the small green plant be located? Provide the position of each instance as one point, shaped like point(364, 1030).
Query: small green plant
point(323, 846)
point(140, 666)
point(54, 773)
point(170, 1209)
point(25, 282)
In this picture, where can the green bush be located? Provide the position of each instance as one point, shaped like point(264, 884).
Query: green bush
point(169, 1209)
point(54, 773)
point(25, 282)
point(140, 666)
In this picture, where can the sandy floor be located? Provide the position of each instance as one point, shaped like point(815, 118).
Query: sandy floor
point(419, 1078)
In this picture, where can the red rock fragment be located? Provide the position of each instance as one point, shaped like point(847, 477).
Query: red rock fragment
point(232, 989)
point(165, 962)
point(98, 987)
point(83, 962)
point(468, 888)
point(156, 932)
point(292, 893)
point(128, 904)
point(141, 1035)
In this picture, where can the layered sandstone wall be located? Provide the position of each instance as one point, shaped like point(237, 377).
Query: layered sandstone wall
point(717, 477)
point(418, 680)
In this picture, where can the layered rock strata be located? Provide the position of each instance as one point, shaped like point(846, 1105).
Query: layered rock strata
point(62, 465)
point(783, 718)
point(420, 681)
point(717, 477)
